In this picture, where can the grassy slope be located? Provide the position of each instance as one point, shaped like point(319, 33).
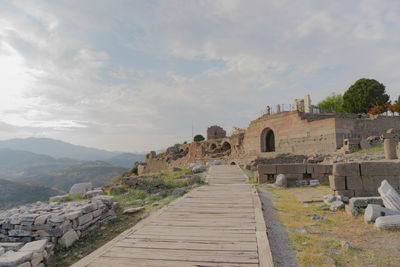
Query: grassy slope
point(323, 238)
point(13, 194)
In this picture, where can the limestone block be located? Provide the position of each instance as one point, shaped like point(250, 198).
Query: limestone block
point(25, 264)
point(314, 182)
point(336, 205)
point(14, 246)
point(363, 202)
point(380, 168)
point(291, 168)
point(281, 180)
point(35, 246)
point(93, 193)
point(108, 200)
point(73, 215)
point(68, 238)
point(321, 168)
point(90, 207)
point(371, 183)
point(389, 146)
point(391, 199)
point(267, 168)
point(80, 189)
point(19, 233)
point(354, 182)
point(294, 176)
point(262, 178)
point(117, 189)
point(133, 210)
point(373, 211)
point(85, 218)
point(28, 217)
point(41, 219)
point(388, 222)
point(346, 169)
point(37, 258)
point(56, 218)
point(15, 258)
point(337, 182)
point(96, 213)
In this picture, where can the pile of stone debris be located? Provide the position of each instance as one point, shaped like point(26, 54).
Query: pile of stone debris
point(51, 224)
point(383, 211)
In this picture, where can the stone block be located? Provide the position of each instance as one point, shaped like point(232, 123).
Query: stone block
point(37, 258)
point(346, 169)
point(267, 168)
point(262, 178)
point(391, 199)
point(14, 246)
point(352, 211)
point(321, 168)
point(93, 193)
point(96, 213)
point(35, 246)
point(380, 168)
point(41, 219)
point(371, 183)
point(19, 233)
point(15, 258)
point(25, 264)
point(363, 193)
point(388, 222)
point(68, 238)
point(354, 182)
point(73, 215)
point(337, 182)
point(80, 189)
point(85, 218)
point(294, 176)
point(291, 168)
point(363, 202)
point(372, 212)
point(310, 168)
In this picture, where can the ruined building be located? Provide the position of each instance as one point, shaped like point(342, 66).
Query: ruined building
point(304, 130)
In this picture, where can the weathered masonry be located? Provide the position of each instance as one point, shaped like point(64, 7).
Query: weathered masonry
point(304, 133)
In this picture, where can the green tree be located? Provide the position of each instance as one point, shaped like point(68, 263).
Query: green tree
point(198, 138)
point(333, 103)
point(363, 95)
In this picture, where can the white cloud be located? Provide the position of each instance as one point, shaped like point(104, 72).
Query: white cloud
point(113, 74)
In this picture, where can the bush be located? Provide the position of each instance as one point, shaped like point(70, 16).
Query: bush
point(198, 138)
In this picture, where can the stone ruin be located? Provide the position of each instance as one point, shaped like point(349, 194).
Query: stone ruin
point(215, 132)
point(390, 143)
point(42, 226)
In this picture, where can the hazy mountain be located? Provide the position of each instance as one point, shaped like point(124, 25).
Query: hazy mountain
point(13, 194)
point(22, 166)
point(98, 173)
point(57, 149)
point(126, 159)
point(66, 151)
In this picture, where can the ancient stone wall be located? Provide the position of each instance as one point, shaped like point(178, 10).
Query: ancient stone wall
point(293, 134)
point(215, 132)
point(293, 172)
point(362, 179)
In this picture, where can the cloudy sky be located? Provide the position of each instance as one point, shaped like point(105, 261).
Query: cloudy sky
point(133, 75)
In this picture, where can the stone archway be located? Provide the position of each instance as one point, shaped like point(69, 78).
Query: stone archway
point(225, 146)
point(233, 163)
point(267, 140)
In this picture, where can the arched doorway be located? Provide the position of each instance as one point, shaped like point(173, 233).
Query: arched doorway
point(233, 163)
point(225, 147)
point(267, 140)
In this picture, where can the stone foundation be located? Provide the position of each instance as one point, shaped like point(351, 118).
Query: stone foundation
point(363, 179)
point(294, 172)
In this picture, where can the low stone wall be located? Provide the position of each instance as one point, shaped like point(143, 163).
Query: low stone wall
point(293, 172)
point(362, 179)
point(58, 223)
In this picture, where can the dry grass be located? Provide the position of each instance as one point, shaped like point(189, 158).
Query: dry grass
point(318, 243)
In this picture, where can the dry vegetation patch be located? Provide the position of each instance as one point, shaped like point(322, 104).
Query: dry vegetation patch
point(319, 243)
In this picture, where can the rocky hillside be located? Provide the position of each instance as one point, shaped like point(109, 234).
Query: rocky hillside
point(13, 193)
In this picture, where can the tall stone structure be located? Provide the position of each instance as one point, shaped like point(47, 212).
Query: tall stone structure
point(307, 104)
point(215, 132)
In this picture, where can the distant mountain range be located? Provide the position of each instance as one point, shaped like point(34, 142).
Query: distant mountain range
point(34, 169)
point(13, 194)
point(59, 150)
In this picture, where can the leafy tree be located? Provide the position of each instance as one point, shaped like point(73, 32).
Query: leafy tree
point(363, 95)
point(333, 103)
point(198, 138)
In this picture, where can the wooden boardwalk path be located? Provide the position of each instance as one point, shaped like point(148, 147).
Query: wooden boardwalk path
point(220, 224)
